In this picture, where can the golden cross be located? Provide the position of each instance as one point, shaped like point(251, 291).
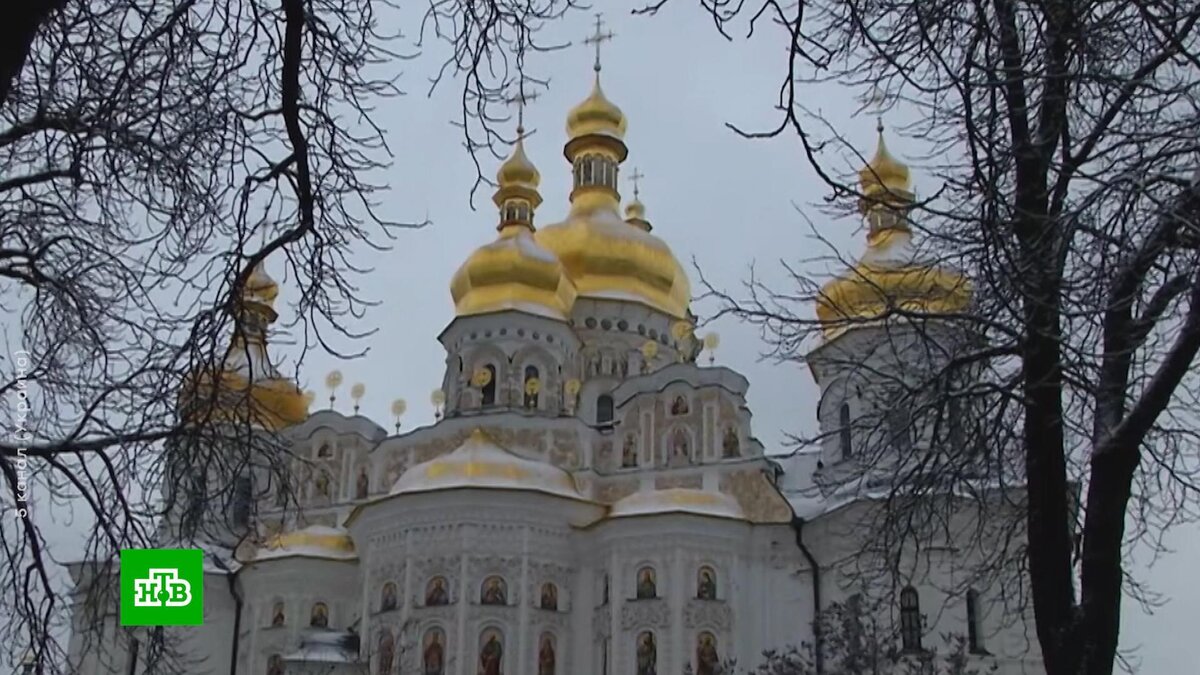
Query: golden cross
point(599, 37)
point(876, 101)
point(635, 177)
point(520, 99)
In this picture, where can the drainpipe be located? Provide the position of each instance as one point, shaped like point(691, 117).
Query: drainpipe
point(818, 639)
point(237, 618)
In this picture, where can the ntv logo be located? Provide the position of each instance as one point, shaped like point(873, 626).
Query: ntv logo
point(162, 587)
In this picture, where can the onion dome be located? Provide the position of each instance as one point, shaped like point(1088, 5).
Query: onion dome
point(891, 275)
point(245, 387)
point(678, 500)
point(315, 541)
point(596, 116)
point(481, 463)
point(635, 213)
point(605, 256)
point(514, 272)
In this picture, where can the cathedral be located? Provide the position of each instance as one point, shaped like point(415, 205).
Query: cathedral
point(592, 499)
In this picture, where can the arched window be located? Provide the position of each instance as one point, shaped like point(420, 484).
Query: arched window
point(974, 632)
point(489, 390)
point(706, 583)
point(387, 652)
point(319, 618)
point(278, 616)
point(910, 619)
point(532, 387)
point(845, 439)
point(387, 597)
point(549, 597)
point(604, 409)
point(900, 428)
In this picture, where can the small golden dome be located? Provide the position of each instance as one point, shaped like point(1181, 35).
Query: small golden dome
point(596, 115)
point(514, 272)
point(517, 170)
point(609, 259)
point(635, 214)
point(885, 175)
point(260, 287)
point(244, 387)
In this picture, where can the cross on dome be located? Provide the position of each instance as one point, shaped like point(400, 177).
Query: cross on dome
point(634, 178)
point(520, 99)
point(598, 38)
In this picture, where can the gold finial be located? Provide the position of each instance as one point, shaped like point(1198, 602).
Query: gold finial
point(682, 332)
point(711, 342)
point(332, 381)
point(649, 351)
point(356, 394)
point(885, 178)
point(481, 378)
point(438, 399)
point(597, 39)
point(398, 407)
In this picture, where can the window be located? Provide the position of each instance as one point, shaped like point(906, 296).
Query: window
point(900, 428)
point(954, 419)
point(532, 386)
point(910, 619)
point(242, 496)
point(604, 409)
point(489, 389)
point(846, 441)
point(974, 632)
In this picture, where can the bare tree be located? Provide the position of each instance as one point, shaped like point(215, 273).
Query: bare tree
point(152, 155)
point(1061, 169)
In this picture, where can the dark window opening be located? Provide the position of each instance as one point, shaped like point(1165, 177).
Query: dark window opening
point(910, 619)
point(604, 409)
point(243, 495)
point(974, 636)
point(844, 436)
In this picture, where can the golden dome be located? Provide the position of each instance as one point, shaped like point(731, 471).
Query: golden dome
point(635, 214)
point(609, 258)
point(596, 115)
point(514, 272)
point(315, 541)
point(245, 387)
point(891, 276)
point(517, 170)
point(884, 176)
point(480, 463)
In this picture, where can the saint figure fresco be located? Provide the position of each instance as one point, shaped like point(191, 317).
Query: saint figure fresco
point(277, 615)
point(706, 584)
point(549, 599)
point(707, 661)
point(387, 653)
point(435, 592)
point(546, 656)
point(320, 616)
point(491, 654)
point(647, 654)
point(494, 592)
point(646, 585)
point(629, 452)
point(363, 484)
point(387, 599)
point(679, 406)
point(730, 446)
point(433, 656)
point(275, 665)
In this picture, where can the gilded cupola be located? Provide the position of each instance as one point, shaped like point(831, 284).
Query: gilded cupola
point(244, 386)
point(604, 255)
point(891, 276)
point(514, 272)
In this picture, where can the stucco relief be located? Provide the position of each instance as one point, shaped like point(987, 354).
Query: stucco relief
point(645, 614)
point(711, 614)
point(757, 497)
point(679, 481)
point(611, 492)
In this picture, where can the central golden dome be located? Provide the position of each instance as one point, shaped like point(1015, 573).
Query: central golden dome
point(611, 259)
point(605, 256)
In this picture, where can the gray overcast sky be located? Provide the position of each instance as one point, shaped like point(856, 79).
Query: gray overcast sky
point(714, 197)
